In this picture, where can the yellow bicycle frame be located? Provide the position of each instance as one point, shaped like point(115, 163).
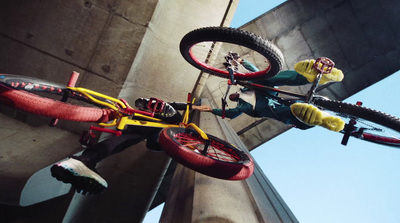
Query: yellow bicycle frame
point(123, 120)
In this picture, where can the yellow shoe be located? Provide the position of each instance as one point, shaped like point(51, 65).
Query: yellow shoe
point(306, 69)
point(311, 115)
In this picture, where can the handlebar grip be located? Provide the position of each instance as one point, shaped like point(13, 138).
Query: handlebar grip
point(71, 83)
point(73, 79)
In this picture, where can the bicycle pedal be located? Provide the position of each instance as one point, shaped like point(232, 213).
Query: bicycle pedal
point(156, 105)
point(324, 65)
point(87, 138)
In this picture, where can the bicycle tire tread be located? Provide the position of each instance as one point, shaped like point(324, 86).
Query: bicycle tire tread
point(372, 115)
point(32, 103)
point(204, 164)
point(234, 36)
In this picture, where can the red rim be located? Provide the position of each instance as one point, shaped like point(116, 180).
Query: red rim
point(35, 104)
point(381, 139)
point(226, 73)
point(216, 150)
point(224, 161)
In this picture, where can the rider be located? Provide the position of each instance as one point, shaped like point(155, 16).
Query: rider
point(80, 170)
point(300, 115)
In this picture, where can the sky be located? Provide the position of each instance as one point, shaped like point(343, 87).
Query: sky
point(321, 180)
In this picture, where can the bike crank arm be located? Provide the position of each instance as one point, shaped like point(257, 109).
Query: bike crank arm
point(324, 65)
point(313, 88)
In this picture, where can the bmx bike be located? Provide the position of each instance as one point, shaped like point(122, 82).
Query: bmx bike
point(184, 142)
point(208, 49)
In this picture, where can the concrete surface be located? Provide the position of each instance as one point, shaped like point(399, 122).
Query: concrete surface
point(199, 198)
point(118, 46)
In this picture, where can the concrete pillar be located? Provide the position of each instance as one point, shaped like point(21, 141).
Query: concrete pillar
point(159, 71)
point(133, 177)
point(195, 197)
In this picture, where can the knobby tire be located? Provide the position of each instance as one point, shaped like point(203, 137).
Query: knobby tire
point(238, 37)
point(181, 144)
point(368, 114)
point(16, 95)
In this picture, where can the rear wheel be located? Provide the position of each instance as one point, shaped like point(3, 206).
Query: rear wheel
point(40, 97)
point(222, 160)
point(206, 49)
point(365, 123)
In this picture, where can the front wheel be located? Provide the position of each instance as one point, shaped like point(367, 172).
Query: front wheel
point(222, 160)
point(41, 97)
point(365, 123)
point(207, 47)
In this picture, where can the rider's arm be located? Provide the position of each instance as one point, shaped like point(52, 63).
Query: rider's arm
point(242, 107)
point(229, 113)
point(249, 66)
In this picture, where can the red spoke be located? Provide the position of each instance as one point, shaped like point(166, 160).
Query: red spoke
point(216, 150)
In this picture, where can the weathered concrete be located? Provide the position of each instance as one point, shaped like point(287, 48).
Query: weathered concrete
point(50, 39)
point(195, 197)
point(33, 148)
point(115, 52)
point(120, 47)
point(158, 70)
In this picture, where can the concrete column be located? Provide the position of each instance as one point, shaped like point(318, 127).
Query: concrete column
point(159, 71)
point(195, 197)
point(133, 177)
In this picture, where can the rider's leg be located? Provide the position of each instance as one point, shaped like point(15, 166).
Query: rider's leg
point(116, 144)
point(306, 69)
point(169, 113)
point(287, 77)
point(178, 105)
point(80, 170)
point(304, 73)
point(311, 115)
point(284, 114)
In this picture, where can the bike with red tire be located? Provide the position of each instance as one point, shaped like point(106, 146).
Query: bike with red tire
point(210, 50)
point(216, 157)
point(184, 142)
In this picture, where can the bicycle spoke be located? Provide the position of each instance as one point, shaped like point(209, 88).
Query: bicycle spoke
point(215, 150)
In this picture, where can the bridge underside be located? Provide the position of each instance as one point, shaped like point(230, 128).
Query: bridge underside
point(130, 49)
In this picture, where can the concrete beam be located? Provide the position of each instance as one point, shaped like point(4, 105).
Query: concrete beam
point(195, 197)
point(361, 37)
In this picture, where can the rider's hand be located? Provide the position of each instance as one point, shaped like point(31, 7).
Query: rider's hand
point(203, 108)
